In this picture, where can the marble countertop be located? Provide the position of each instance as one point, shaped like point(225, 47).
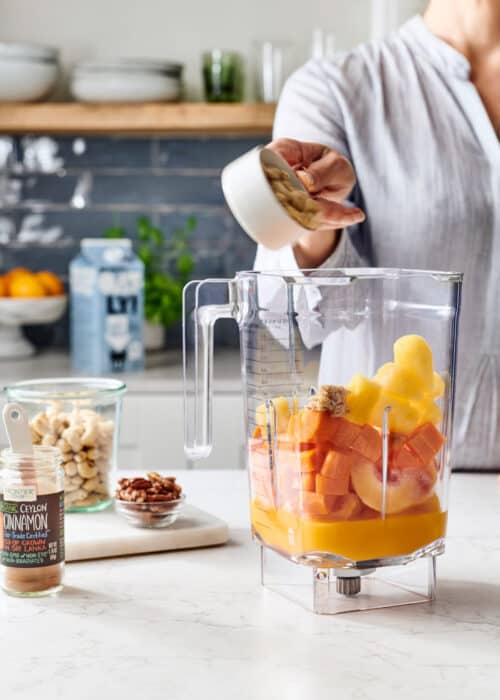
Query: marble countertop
point(163, 373)
point(196, 624)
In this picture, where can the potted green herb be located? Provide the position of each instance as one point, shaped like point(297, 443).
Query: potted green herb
point(167, 265)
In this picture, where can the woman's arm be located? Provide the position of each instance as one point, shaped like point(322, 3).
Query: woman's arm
point(309, 133)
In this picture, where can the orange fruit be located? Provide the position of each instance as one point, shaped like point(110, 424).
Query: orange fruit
point(50, 282)
point(26, 285)
point(12, 274)
point(4, 291)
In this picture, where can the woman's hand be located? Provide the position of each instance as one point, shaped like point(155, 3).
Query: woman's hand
point(329, 178)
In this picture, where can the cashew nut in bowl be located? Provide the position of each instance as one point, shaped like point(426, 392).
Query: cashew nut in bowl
point(86, 470)
point(70, 468)
point(49, 440)
point(72, 437)
point(85, 439)
point(90, 432)
point(70, 486)
point(73, 496)
point(63, 445)
point(40, 424)
point(90, 500)
point(90, 485)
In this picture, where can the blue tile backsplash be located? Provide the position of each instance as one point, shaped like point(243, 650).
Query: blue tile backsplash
point(55, 191)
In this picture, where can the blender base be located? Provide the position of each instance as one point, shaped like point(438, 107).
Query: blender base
point(333, 591)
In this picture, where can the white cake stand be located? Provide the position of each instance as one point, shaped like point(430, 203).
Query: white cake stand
point(15, 313)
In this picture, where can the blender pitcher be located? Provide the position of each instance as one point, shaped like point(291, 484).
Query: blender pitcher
point(348, 379)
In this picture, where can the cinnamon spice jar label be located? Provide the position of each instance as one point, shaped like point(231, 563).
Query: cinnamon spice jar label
point(32, 531)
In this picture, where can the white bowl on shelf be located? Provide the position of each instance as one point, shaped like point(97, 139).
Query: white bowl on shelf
point(126, 80)
point(27, 72)
point(17, 312)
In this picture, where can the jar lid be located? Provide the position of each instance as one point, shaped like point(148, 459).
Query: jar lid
point(85, 390)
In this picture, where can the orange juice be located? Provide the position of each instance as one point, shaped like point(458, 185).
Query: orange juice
point(358, 540)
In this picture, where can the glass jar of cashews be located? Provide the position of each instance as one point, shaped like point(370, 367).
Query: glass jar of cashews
point(81, 417)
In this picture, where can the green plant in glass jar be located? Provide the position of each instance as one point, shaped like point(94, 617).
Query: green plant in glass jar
point(222, 76)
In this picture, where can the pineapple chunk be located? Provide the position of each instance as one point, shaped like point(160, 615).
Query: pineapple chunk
point(281, 411)
point(413, 353)
point(400, 380)
point(429, 412)
point(362, 396)
point(438, 387)
point(404, 415)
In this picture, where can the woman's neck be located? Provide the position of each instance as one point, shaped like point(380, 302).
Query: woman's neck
point(470, 26)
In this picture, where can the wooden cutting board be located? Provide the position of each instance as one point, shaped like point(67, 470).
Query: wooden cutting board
point(106, 534)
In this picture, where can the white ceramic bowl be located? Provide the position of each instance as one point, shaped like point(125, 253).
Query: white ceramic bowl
point(126, 81)
point(253, 203)
point(27, 72)
point(15, 313)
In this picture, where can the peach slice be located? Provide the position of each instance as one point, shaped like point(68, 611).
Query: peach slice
point(293, 429)
point(306, 482)
point(258, 458)
point(335, 474)
point(346, 507)
point(405, 487)
point(327, 487)
point(368, 443)
point(426, 442)
point(317, 426)
point(315, 503)
point(431, 505)
point(345, 434)
point(406, 459)
point(300, 461)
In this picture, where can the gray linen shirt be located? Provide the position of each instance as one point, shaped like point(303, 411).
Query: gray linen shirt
point(427, 159)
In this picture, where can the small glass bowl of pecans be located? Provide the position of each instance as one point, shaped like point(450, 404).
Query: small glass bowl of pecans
point(152, 501)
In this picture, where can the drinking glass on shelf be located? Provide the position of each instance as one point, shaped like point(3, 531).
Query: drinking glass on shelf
point(323, 44)
point(273, 66)
point(222, 76)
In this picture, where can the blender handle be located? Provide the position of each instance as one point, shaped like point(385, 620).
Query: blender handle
point(198, 354)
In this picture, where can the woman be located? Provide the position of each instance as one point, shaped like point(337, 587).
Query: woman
point(418, 117)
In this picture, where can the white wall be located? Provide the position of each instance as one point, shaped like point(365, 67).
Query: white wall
point(181, 29)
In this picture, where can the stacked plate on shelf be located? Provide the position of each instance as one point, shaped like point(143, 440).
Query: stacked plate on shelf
point(127, 80)
point(28, 72)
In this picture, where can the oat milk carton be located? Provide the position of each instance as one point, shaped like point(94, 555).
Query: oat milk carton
point(107, 307)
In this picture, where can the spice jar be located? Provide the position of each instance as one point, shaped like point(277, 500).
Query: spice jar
point(32, 522)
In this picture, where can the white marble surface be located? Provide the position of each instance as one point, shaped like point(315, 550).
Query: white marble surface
point(196, 624)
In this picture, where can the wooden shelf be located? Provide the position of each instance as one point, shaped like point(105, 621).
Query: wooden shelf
point(147, 118)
